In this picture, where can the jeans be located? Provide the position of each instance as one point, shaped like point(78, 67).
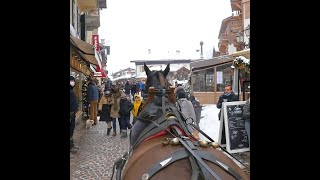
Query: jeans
point(125, 122)
point(247, 127)
point(114, 124)
point(72, 124)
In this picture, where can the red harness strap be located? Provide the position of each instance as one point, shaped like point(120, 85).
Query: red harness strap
point(163, 132)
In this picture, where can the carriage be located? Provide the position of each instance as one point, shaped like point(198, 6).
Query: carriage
point(162, 144)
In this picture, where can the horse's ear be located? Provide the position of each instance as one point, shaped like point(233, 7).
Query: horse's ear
point(146, 69)
point(166, 71)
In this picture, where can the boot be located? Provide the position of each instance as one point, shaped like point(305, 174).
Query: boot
point(108, 131)
point(114, 133)
point(73, 148)
point(124, 134)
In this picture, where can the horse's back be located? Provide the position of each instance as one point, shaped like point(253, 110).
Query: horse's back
point(151, 152)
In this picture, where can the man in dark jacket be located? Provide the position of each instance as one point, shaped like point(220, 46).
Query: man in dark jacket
point(107, 86)
point(125, 108)
point(228, 96)
point(73, 111)
point(133, 90)
point(127, 88)
point(93, 98)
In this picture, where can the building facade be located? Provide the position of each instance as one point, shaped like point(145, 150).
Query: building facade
point(175, 64)
point(210, 76)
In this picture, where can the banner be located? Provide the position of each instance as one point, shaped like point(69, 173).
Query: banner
point(95, 42)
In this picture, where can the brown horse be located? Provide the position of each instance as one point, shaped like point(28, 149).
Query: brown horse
point(166, 149)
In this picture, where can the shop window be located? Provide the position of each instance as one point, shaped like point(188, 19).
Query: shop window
point(227, 76)
point(210, 80)
point(204, 80)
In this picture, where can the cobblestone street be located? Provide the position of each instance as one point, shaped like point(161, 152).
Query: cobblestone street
point(97, 152)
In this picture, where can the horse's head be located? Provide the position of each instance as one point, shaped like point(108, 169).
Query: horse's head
point(157, 79)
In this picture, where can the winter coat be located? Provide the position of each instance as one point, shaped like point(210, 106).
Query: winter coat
point(133, 88)
point(107, 86)
point(127, 88)
point(186, 108)
point(105, 107)
point(197, 109)
point(246, 110)
point(125, 107)
point(73, 101)
point(232, 97)
point(136, 106)
point(115, 107)
point(93, 92)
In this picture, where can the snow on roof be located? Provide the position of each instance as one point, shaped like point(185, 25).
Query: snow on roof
point(127, 76)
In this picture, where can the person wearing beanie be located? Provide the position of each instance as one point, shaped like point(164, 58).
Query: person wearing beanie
point(186, 107)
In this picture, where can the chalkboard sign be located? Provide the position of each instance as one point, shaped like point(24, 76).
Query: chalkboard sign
point(236, 136)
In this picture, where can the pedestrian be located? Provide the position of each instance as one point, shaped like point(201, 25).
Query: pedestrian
point(227, 96)
point(138, 87)
point(246, 116)
point(93, 98)
point(127, 88)
point(186, 107)
point(136, 107)
point(73, 110)
point(105, 109)
point(115, 107)
point(133, 89)
point(107, 85)
point(197, 109)
point(125, 109)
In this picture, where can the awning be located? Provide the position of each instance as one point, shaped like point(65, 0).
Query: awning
point(90, 58)
point(103, 74)
point(85, 50)
point(97, 71)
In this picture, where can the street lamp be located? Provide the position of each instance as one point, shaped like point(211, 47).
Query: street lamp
point(201, 44)
point(247, 31)
point(240, 37)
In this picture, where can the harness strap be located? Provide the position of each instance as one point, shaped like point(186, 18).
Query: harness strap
point(193, 151)
point(194, 165)
point(163, 101)
point(195, 169)
point(155, 130)
point(209, 157)
point(182, 124)
point(177, 155)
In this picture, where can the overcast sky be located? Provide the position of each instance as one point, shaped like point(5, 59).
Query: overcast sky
point(131, 27)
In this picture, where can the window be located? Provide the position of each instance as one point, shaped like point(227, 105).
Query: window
point(227, 76)
point(141, 68)
point(204, 80)
point(210, 80)
point(199, 82)
point(72, 17)
point(78, 22)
